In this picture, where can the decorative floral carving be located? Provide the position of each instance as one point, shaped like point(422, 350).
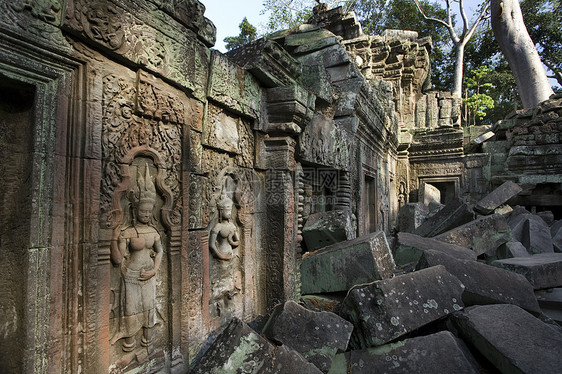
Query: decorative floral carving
point(124, 131)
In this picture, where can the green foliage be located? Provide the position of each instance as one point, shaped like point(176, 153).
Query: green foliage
point(286, 14)
point(248, 34)
point(479, 101)
point(543, 19)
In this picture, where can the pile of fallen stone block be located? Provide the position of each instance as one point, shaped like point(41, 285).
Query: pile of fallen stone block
point(465, 289)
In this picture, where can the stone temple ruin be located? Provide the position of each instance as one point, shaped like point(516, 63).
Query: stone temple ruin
point(303, 204)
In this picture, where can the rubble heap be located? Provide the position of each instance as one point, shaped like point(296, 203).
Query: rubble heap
point(480, 296)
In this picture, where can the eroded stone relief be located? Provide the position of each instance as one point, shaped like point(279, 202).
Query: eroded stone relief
point(224, 234)
point(136, 248)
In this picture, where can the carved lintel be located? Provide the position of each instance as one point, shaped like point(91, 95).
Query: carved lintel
point(130, 34)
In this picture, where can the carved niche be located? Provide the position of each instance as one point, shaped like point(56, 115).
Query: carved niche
point(232, 263)
point(141, 203)
point(139, 305)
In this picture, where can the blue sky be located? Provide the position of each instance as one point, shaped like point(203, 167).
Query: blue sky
point(227, 15)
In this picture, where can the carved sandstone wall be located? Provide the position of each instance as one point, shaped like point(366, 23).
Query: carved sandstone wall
point(104, 100)
point(155, 188)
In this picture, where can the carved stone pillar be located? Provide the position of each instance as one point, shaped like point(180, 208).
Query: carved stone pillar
point(281, 266)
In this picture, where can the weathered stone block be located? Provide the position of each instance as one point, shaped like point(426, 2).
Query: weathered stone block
point(331, 56)
point(485, 284)
point(511, 339)
point(547, 216)
point(287, 360)
point(289, 104)
point(482, 138)
point(302, 38)
point(266, 60)
point(239, 349)
point(410, 247)
point(550, 301)
point(317, 45)
point(512, 249)
point(233, 87)
point(340, 266)
point(483, 235)
point(317, 336)
point(385, 310)
point(411, 216)
point(324, 142)
point(437, 353)
point(429, 194)
point(349, 97)
point(454, 214)
point(556, 233)
point(221, 130)
point(543, 270)
point(315, 79)
point(326, 228)
point(532, 232)
point(503, 210)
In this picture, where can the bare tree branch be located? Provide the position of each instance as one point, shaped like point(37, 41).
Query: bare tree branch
point(464, 19)
point(483, 15)
point(557, 74)
point(448, 25)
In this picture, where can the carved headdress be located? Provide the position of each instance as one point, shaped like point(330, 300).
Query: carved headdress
point(146, 192)
point(225, 201)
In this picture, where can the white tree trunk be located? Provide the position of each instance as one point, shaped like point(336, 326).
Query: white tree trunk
point(520, 52)
point(459, 73)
